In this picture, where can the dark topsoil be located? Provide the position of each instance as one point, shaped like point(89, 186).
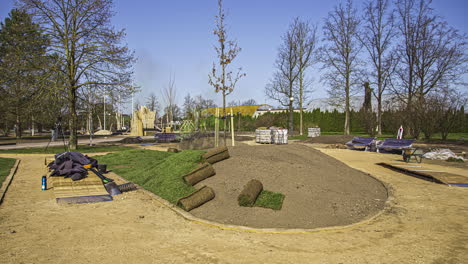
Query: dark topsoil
point(320, 191)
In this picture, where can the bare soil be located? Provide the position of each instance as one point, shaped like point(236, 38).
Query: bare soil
point(320, 191)
point(424, 223)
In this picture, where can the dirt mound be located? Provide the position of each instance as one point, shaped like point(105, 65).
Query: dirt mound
point(131, 140)
point(320, 191)
point(329, 139)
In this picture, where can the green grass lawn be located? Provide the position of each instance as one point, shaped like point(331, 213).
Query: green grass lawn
point(156, 171)
point(5, 166)
point(58, 149)
point(271, 200)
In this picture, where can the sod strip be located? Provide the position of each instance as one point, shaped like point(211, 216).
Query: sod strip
point(271, 200)
point(157, 171)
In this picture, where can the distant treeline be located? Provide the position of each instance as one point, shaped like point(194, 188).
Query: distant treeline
point(334, 122)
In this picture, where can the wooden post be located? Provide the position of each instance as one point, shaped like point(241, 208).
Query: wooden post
point(217, 128)
point(232, 129)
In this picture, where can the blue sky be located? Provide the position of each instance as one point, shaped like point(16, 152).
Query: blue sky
point(176, 37)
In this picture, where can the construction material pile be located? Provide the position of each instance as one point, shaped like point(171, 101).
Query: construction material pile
point(273, 135)
point(279, 136)
point(71, 165)
point(441, 154)
point(313, 132)
point(263, 136)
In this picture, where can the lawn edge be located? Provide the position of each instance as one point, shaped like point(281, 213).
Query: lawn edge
point(6, 183)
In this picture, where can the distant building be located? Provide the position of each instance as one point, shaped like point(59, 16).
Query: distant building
point(269, 109)
point(248, 110)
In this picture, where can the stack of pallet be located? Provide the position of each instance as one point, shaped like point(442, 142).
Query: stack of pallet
point(279, 136)
point(313, 132)
point(263, 136)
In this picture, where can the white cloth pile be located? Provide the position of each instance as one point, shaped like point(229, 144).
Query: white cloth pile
point(441, 154)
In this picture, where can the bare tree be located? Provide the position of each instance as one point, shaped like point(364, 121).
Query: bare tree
point(377, 36)
point(249, 102)
point(432, 56)
point(233, 103)
point(169, 95)
point(152, 102)
point(452, 106)
point(281, 87)
point(340, 54)
point(222, 79)
point(305, 38)
point(189, 106)
point(278, 90)
point(202, 103)
point(85, 42)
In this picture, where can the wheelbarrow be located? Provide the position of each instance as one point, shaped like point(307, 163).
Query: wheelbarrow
point(415, 153)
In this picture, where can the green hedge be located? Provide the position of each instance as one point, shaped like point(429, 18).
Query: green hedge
point(328, 121)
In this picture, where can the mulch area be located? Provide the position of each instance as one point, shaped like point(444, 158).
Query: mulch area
point(320, 191)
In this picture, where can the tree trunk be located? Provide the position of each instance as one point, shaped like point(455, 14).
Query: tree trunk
point(379, 115)
point(224, 117)
point(32, 126)
point(18, 124)
point(301, 94)
point(347, 112)
point(291, 109)
point(73, 123)
point(291, 115)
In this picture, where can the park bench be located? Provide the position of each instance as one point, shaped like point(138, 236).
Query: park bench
point(361, 142)
point(395, 144)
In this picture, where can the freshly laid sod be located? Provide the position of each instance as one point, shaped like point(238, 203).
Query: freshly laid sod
point(156, 171)
point(270, 200)
point(5, 166)
point(58, 149)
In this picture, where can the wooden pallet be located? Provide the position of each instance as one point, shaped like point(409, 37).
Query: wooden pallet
point(428, 174)
point(87, 190)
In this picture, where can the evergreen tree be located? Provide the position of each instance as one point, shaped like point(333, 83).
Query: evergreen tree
point(22, 66)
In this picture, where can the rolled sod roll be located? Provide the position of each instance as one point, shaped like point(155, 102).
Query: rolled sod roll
point(173, 150)
point(216, 155)
point(249, 194)
point(196, 199)
point(200, 173)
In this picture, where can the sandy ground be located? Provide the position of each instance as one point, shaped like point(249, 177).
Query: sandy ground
point(320, 191)
point(425, 223)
